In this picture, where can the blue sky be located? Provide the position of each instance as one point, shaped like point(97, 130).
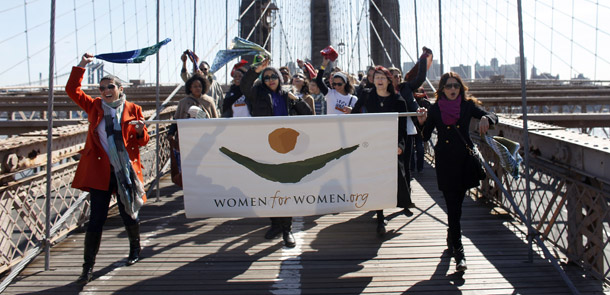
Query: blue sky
point(473, 31)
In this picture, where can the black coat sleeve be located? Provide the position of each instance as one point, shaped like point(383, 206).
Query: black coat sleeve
point(246, 85)
point(320, 82)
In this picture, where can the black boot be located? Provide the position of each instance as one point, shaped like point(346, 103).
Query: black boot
point(275, 229)
point(460, 259)
point(286, 224)
point(381, 223)
point(92, 245)
point(288, 239)
point(133, 232)
point(449, 243)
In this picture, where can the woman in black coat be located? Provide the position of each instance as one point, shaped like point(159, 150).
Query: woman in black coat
point(268, 99)
point(450, 114)
point(382, 98)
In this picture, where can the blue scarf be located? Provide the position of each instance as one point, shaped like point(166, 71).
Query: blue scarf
point(129, 187)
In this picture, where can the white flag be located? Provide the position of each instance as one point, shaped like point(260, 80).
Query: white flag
point(288, 166)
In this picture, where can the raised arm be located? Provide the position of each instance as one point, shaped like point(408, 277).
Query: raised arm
point(73, 86)
point(318, 80)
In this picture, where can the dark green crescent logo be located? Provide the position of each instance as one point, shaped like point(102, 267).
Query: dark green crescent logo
point(291, 172)
point(283, 140)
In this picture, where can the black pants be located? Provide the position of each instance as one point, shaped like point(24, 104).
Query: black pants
point(454, 202)
point(418, 156)
point(285, 223)
point(100, 200)
point(407, 156)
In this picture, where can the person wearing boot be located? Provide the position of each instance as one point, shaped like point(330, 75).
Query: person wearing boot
point(450, 115)
point(110, 162)
point(267, 98)
point(382, 98)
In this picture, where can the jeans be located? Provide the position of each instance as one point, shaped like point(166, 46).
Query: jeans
point(100, 200)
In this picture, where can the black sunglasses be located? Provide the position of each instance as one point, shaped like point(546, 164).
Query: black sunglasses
point(272, 77)
point(338, 84)
point(110, 87)
point(453, 85)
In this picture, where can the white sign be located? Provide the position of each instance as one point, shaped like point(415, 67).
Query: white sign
point(288, 166)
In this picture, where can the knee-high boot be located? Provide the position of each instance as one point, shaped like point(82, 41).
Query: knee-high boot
point(449, 243)
point(458, 254)
point(381, 223)
point(92, 245)
point(133, 232)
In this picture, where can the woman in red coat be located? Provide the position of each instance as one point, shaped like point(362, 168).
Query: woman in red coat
point(110, 162)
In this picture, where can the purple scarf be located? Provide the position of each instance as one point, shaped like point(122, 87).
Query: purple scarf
point(450, 109)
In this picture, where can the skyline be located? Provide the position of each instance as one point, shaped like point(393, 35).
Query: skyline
point(485, 31)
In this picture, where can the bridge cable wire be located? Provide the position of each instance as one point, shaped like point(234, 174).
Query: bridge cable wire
point(381, 41)
point(397, 38)
point(357, 39)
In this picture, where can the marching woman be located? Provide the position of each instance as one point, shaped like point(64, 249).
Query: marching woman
point(267, 98)
point(339, 99)
point(300, 87)
point(450, 116)
point(110, 162)
point(382, 98)
point(235, 104)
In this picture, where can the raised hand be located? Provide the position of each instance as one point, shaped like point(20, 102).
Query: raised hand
point(85, 59)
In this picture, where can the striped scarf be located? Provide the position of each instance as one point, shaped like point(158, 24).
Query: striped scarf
point(129, 187)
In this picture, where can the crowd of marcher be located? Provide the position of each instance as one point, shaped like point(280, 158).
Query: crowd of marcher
point(110, 161)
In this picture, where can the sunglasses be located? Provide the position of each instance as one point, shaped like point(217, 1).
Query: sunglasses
point(453, 85)
point(272, 77)
point(110, 87)
point(338, 84)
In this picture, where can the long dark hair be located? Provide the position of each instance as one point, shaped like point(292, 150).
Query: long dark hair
point(463, 88)
point(349, 88)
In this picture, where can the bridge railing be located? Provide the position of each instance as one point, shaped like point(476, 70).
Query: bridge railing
point(570, 204)
point(23, 194)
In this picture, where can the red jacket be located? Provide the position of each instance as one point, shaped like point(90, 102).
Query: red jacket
point(94, 167)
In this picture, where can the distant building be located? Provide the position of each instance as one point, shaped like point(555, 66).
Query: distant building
point(434, 73)
point(546, 76)
point(509, 71)
point(464, 71)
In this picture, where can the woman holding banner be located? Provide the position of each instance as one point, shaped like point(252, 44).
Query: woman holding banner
point(268, 99)
point(452, 110)
point(110, 162)
point(382, 98)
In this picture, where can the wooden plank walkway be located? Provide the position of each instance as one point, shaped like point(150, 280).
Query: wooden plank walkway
point(335, 254)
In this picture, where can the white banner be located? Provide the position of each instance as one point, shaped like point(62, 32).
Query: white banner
point(288, 166)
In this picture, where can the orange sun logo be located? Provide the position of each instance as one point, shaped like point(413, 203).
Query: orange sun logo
point(283, 140)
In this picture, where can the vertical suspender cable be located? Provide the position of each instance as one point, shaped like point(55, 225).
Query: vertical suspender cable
point(226, 39)
point(596, 35)
point(571, 43)
point(76, 31)
point(358, 33)
point(111, 39)
point(368, 34)
point(47, 238)
point(528, 211)
point(416, 35)
point(125, 38)
point(157, 108)
point(27, 43)
point(194, 23)
point(94, 26)
point(440, 35)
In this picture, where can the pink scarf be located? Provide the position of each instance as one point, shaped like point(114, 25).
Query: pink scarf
point(450, 109)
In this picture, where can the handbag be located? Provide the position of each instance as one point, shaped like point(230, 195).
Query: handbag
point(473, 162)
